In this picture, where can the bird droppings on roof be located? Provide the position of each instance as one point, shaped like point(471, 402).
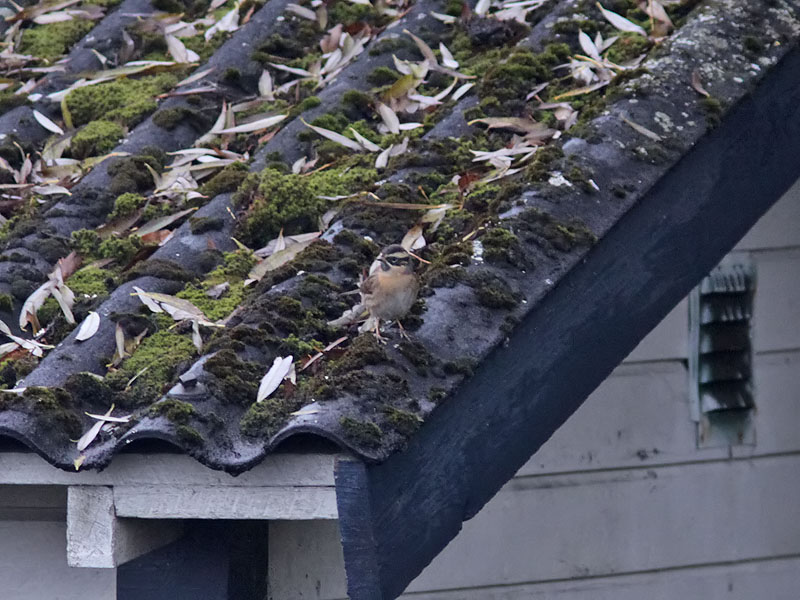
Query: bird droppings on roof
point(210, 180)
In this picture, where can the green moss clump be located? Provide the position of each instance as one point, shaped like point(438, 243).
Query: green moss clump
point(493, 295)
point(95, 139)
point(365, 350)
point(292, 202)
point(189, 436)
point(382, 76)
point(174, 410)
point(6, 303)
point(628, 47)
point(85, 242)
point(403, 421)
point(124, 100)
point(462, 366)
point(227, 180)
point(54, 406)
point(501, 245)
point(234, 381)
point(365, 433)
point(347, 13)
point(170, 118)
point(121, 250)
point(161, 354)
point(713, 110)
point(129, 174)
point(126, 204)
point(89, 388)
point(356, 104)
point(200, 225)
point(9, 100)
point(49, 42)
point(543, 163)
point(510, 81)
point(264, 419)
point(91, 281)
point(306, 104)
point(12, 370)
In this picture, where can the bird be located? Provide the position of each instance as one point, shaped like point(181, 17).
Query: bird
point(391, 287)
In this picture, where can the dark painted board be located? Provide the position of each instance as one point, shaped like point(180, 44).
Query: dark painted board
point(561, 351)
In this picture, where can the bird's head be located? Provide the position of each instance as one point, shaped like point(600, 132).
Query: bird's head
point(397, 258)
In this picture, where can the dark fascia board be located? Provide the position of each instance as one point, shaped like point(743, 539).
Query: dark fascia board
point(565, 347)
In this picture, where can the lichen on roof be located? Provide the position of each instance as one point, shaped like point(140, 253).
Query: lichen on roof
point(248, 208)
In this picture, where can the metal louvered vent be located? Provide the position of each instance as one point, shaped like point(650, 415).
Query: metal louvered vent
point(720, 358)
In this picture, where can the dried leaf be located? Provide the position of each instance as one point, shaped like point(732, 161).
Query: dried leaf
point(32, 305)
point(698, 85)
point(273, 378)
point(643, 130)
point(517, 124)
point(335, 137)
point(88, 437)
point(146, 300)
point(413, 239)
point(277, 260)
point(265, 89)
point(119, 338)
point(389, 117)
point(367, 144)
point(426, 50)
point(462, 90)
point(89, 326)
point(482, 7)
point(620, 22)
point(47, 123)
point(447, 57)
point(582, 90)
point(230, 22)
point(589, 46)
point(179, 51)
point(162, 222)
point(255, 125)
point(301, 11)
point(197, 339)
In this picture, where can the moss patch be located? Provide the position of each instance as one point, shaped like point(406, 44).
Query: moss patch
point(360, 432)
point(50, 41)
point(96, 138)
point(125, 100)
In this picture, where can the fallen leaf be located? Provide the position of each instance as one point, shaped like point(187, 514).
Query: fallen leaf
point(273, 378)
point(47, 123)
point(255, 125)
point(698, 85)
point(620, 22)
point(89, 326)
point(162, 222)
point(643, 130)
point(335, 137)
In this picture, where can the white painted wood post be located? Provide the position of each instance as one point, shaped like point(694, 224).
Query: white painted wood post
point(97, 538)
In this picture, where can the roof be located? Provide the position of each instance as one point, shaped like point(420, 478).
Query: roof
point(595, 203)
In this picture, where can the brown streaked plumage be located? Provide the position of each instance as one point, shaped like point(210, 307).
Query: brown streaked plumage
point(392, 288)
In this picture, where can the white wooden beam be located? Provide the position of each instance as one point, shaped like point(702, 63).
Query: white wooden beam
point(96, 538)
point(208, 502)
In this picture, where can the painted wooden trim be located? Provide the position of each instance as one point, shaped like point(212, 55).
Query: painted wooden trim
point(277, 470)
point(521, 393)
point(204, 502)
point(96, 538)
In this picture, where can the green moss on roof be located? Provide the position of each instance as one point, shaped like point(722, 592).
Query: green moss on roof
point(124, 100)
point(49, 42)
point(96, 138)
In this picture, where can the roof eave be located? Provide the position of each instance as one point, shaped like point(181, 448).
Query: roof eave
point(567, 345)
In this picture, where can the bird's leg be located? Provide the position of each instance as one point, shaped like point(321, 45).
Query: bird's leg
point(378, 335)
point(403, 333)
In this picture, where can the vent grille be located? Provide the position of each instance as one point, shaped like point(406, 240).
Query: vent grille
point(720, 361)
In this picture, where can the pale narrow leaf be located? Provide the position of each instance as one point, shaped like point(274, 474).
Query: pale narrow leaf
point(230, 22)
point(197, 339)
point(265, 89)
point(119, 339)
point(162, 222)
point(301, 11)
point(335, 137)
point(413, 239)
point(277, 260)
point(448, 19)
point(179, 51)
point(697, 84)
point(32, 305)
point(255, 125)
point(147, 301)
point(589, 46)
point(643, 130)
point(389, 117)
point(426, 50)
point(273, 378)
point(88, 437)
point(482, 7)
point(383, 158)
point(462, 90)
point(621, 22)
point(447, 57)
point(89, 326)
point(47, 123)
point(368, 145)
point(63, 295)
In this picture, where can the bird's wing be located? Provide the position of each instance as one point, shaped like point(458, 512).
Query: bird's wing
point(369, 285)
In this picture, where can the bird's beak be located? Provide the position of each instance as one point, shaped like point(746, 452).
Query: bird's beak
point(419, 258)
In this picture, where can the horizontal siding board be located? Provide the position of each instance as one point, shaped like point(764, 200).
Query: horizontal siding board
point(640, 416)
point(777, 579)
point(33, 566)
point(778, 228)
point(776, 321)
point(593, 524)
